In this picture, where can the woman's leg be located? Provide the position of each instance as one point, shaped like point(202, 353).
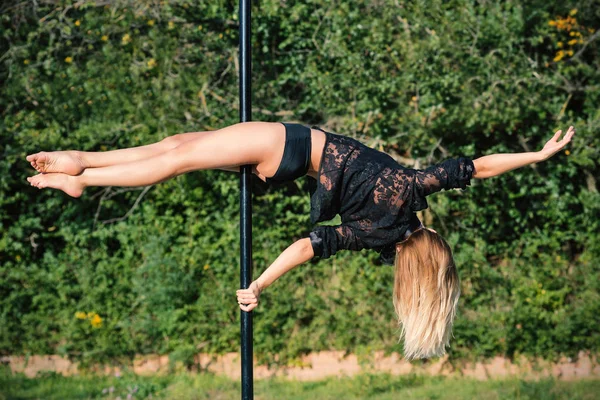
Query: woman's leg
point(74, 162)
point(259, 143)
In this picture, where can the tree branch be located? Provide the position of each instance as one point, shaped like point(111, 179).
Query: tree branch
point(587, 42)
point(137, 202)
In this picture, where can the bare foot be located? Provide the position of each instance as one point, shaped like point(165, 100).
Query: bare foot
point(66, 162)
point(68, 184)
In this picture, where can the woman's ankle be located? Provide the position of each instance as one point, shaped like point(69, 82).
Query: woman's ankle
point(82, 157)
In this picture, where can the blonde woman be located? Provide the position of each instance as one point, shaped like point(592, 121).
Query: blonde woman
point(375, 196)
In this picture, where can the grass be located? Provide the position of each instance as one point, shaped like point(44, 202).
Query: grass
point(208, 386)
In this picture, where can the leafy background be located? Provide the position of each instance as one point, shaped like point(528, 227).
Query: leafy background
point(121, 272)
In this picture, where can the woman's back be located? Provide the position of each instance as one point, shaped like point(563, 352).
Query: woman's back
point(375, 196)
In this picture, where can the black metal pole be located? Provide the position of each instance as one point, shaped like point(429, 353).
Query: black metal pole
point(246, 201)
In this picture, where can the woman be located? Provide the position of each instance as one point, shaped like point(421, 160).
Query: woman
point(375, 197)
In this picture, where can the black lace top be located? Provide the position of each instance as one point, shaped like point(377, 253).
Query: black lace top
point(375, 196)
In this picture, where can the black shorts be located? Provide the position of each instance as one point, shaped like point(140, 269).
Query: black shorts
point(296, 154)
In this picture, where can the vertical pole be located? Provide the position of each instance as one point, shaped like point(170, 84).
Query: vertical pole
point(245, 201)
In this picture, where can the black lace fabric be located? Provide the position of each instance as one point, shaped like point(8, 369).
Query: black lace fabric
point(376, 197)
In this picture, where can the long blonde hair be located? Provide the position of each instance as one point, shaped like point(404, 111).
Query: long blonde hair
point(426, 292)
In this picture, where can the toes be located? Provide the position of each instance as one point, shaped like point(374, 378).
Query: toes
point(34, 180)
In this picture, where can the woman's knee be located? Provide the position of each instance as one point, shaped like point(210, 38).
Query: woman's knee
point(171, 142)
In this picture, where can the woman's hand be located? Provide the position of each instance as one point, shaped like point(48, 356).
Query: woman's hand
point(248, 298)
point(553, 146)
point(296, 254)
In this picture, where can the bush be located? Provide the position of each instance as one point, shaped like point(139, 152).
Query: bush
point(99, 279)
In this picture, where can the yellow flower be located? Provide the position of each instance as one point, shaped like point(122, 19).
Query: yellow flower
point(559, 56)
point(151, 22)
point(199, 27)
point(570, 53)
point(104, 38)
point(220, 36)
point(80, 315)
point(552, 23)
point(77, 23)
point(567, 152)
point(96, 321)
point(69, 60)
point(206, 267)
point(573, 12)
point(26, 62)
point(18, 258)
point(171, 25)
point(559, 44)
point(151, 63)
point(572, 42)
point(126, 39)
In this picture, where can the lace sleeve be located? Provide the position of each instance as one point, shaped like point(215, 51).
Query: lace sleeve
point(450, 174)
point(327, 240)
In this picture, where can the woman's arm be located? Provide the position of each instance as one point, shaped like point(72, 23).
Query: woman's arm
point(298, 253)
point(497, 164)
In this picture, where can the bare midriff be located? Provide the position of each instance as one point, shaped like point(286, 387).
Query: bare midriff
point(316, 153)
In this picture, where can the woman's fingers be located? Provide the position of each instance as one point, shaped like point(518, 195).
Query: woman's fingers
point(569, 134)
point(248, 308)
point(247, 298)
point(567, 138)
point(556, 135)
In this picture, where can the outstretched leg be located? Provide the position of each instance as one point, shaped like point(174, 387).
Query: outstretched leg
point(258, 143)
point(73, 162)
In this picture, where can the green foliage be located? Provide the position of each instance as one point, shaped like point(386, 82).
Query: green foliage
point(423, 80)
